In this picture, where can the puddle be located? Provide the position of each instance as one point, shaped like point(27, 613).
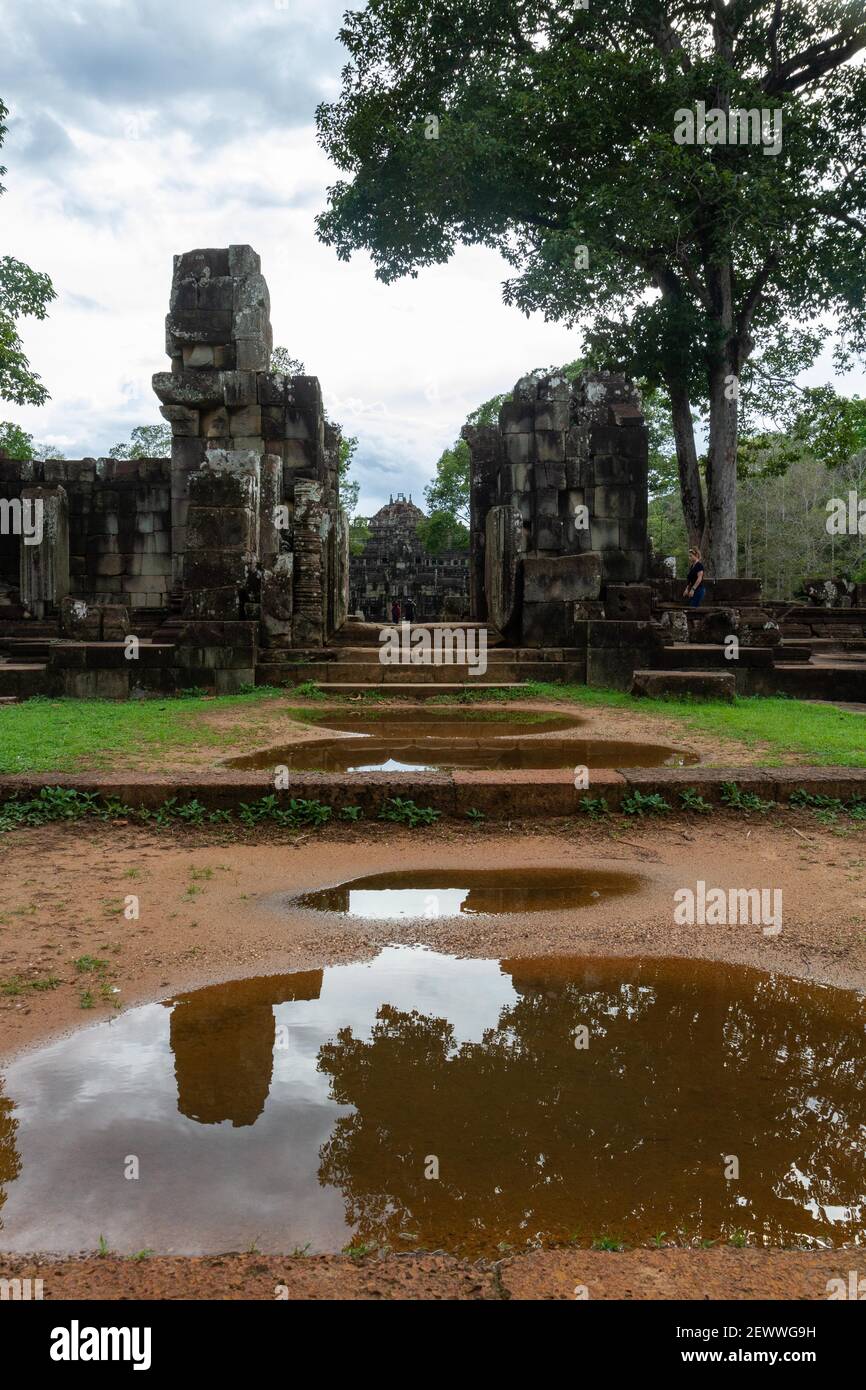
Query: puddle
point(308, 1108)
point(450, 892)
point(444, 723)
point(396, 753)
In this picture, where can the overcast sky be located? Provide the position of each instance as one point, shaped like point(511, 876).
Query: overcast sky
point(140, 128)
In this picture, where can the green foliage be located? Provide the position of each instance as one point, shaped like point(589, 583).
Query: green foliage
point(739, 800)
point(145, 442)
point(608, 1243)
point(359, 534)
point(296, 813)
point(691, 800)
point(555, 132)
point(24, 293)
point(449, 491)
point(441, 531)
point(352, 813)
point(645, 804)
point(595, 807)
point(475, 816)
point(282, 361)
point(401, 812)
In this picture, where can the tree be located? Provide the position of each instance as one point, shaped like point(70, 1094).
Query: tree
point(281, 361)
point(441, 531)
point(24, 293)
point(557, 136)
point(16, 443)
point(145, 442)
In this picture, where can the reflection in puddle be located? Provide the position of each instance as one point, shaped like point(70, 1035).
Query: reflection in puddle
point(444, 723)
point(405, 753)
point(450, 892)
point(305, 1108)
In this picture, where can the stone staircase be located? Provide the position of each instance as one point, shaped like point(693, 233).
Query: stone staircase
point(351, 665)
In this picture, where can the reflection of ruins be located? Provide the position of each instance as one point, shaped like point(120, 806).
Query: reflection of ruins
point(223, 1038)
point(687, 1061)
point(395, 566)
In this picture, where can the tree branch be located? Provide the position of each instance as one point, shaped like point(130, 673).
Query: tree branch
point(814, 61)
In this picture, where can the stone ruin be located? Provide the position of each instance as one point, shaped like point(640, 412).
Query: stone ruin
point(394, 565)
point(230, 560)
point(238, 541)
point(559, 549)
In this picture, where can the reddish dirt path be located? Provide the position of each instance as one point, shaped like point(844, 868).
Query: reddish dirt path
point(724, 1274)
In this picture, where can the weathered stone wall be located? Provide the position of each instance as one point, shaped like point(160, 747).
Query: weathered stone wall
point(558, 505)
point(119, 526)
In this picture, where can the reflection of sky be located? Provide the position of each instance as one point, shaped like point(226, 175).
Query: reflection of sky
point(86, 1103)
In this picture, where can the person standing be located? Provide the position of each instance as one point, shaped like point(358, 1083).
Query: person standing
point(695, 590)
point(395, 612)
point(409, 610)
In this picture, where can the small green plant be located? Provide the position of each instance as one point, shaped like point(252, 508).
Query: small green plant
point(595, 807)
point(90, 965)
point(352, 813)
point(296, 813)
point(85, 999)
point(308, 690)
point(658, 1240)
point(103, 1247)
point(607, 1243)
point(691, 800)
point(141, 1255)
point(739, 800)
point(649, 804)
point(300, 1251)
point(475, 816)
point(401, 812)
point(192, 692)
point(357, 1252)
point(738, 1239)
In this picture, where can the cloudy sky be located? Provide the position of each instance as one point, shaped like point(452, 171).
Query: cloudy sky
point(140, 128)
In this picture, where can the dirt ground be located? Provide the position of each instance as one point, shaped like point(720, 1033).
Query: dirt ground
point(212, 904)
point(270, 725)
point(723, 1274)
point(212, 907)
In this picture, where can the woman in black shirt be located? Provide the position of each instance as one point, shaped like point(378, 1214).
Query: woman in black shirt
point(694, 590)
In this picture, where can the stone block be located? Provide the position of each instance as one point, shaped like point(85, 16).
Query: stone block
point(518, 448)
point(182, 419)
point(517, 417)
point(562, 578)
point(628, 601)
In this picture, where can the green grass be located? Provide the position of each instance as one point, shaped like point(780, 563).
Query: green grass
point(815, 733)
point(71, 735)
point(68, 735)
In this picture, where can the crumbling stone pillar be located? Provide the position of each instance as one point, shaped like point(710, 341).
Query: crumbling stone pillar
point(222, 399)
point(44, 566)
point(567, 465)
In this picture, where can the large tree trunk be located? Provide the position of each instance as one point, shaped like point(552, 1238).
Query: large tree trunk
point(691, 492)
point(721, 533)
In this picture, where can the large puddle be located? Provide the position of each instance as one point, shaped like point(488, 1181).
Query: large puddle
point(425, 1101)
point(396, 753)
point(450, 892)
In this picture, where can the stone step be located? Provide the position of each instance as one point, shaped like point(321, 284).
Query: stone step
point(372, 673)
point(695, 685)
point(702, 656)
point(21, 679)
point(414, 692)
